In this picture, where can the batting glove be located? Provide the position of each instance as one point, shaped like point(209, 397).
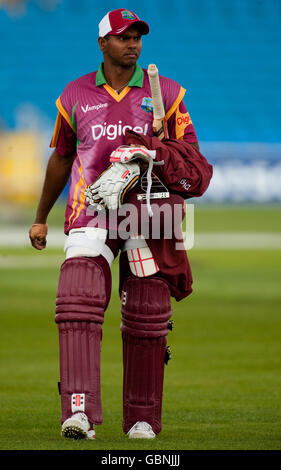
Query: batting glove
point(109, 189)
point(125, 154)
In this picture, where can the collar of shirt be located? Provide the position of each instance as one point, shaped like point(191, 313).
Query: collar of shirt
point(136, 80)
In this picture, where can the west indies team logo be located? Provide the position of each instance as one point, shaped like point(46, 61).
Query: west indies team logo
point(147, 105)
point(128, 15)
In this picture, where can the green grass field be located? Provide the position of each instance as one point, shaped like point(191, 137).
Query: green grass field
point(223, 384)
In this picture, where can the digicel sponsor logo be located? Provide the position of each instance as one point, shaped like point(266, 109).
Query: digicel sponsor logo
point(111, 131)
point(183, 120)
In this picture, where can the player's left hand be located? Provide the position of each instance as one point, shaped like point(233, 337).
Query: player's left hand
point(38, 235)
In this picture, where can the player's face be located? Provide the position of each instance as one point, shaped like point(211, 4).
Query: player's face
point(123, 50)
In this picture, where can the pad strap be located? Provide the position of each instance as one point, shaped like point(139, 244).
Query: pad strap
point(88, 241)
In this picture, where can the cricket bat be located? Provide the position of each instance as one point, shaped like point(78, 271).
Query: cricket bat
point(159, 122)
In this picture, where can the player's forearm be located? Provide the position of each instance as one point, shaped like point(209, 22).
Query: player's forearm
point(57, 174)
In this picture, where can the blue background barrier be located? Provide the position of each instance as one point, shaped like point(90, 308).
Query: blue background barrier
point(226, 55)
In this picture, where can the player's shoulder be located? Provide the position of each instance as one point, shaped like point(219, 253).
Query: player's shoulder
point(76, 89)
point(168, 85)
point(82, 81)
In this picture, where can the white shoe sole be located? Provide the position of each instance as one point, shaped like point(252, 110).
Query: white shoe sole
point(140, 435)
point(73, 430)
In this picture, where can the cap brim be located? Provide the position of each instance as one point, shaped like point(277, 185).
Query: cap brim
point(143, 27)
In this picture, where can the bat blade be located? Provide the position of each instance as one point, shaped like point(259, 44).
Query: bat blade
point(159, 121)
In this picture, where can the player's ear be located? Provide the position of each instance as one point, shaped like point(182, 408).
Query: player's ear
point(103, 43)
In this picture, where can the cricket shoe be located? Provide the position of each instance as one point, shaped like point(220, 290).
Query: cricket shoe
point(141, 430)
point(77, 427)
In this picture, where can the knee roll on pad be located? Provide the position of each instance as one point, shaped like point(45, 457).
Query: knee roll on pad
point(82, 297)
point(146, 310)
point(83, 290)
point(146, 307)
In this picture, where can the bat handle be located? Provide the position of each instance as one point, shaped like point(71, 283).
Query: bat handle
point(160, 128)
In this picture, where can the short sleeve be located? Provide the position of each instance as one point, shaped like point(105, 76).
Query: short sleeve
point(181, 126)
point(64, 138)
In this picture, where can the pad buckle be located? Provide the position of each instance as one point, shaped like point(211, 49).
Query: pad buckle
point(171, 324)
point(168, 355)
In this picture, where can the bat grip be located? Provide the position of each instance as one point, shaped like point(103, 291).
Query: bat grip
point(160, 128)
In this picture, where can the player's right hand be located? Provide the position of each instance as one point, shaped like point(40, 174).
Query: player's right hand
point(109, 189)
point(37, 235)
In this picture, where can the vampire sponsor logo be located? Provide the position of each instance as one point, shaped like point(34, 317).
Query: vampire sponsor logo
point(96, 107)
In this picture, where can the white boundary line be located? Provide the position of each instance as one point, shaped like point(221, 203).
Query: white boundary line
point(18, 237)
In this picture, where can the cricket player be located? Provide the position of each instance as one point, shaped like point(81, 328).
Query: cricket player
point(104, 141)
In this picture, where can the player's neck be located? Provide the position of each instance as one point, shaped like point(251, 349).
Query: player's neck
point(117, 76)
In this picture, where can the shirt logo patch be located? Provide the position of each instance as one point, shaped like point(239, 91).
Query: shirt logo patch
point(87, 108)
point(112, 131)
point(182, 121)
point(185, 184)
point(128, 15)
point(147, 105)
